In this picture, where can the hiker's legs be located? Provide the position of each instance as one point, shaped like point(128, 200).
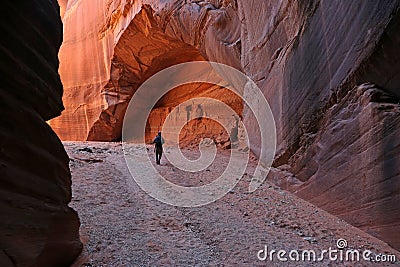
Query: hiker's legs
point(158, 155)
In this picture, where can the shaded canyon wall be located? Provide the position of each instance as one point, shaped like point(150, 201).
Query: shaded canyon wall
point(329, 69)
point(339, 137)
point(37, 228)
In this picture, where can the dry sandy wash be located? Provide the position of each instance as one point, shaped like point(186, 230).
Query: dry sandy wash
point(123, 226)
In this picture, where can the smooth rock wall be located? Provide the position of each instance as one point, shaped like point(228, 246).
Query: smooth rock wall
point(309, 57)
point(111, 47)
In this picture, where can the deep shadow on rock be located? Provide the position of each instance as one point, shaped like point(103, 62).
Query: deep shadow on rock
point(37, 228)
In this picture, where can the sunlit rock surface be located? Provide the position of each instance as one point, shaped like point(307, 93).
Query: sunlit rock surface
point(37, 228)
point(308, 57)
point(111, 47)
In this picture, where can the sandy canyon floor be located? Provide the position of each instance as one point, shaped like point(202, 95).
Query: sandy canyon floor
point(123, 226)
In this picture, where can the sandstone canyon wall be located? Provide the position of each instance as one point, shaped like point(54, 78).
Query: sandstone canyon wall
point(339, 139)
point(111, 47)
point(37, 226)
point(329, 69)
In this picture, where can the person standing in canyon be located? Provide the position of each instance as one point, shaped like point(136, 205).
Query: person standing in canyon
point(158, 147)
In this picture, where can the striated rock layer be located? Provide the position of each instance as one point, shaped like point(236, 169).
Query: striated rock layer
point(105, 58)
point(37, 227)
point(352, 166)
point(309, 57)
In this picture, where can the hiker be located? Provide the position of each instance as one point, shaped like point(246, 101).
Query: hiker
point(158, 148)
